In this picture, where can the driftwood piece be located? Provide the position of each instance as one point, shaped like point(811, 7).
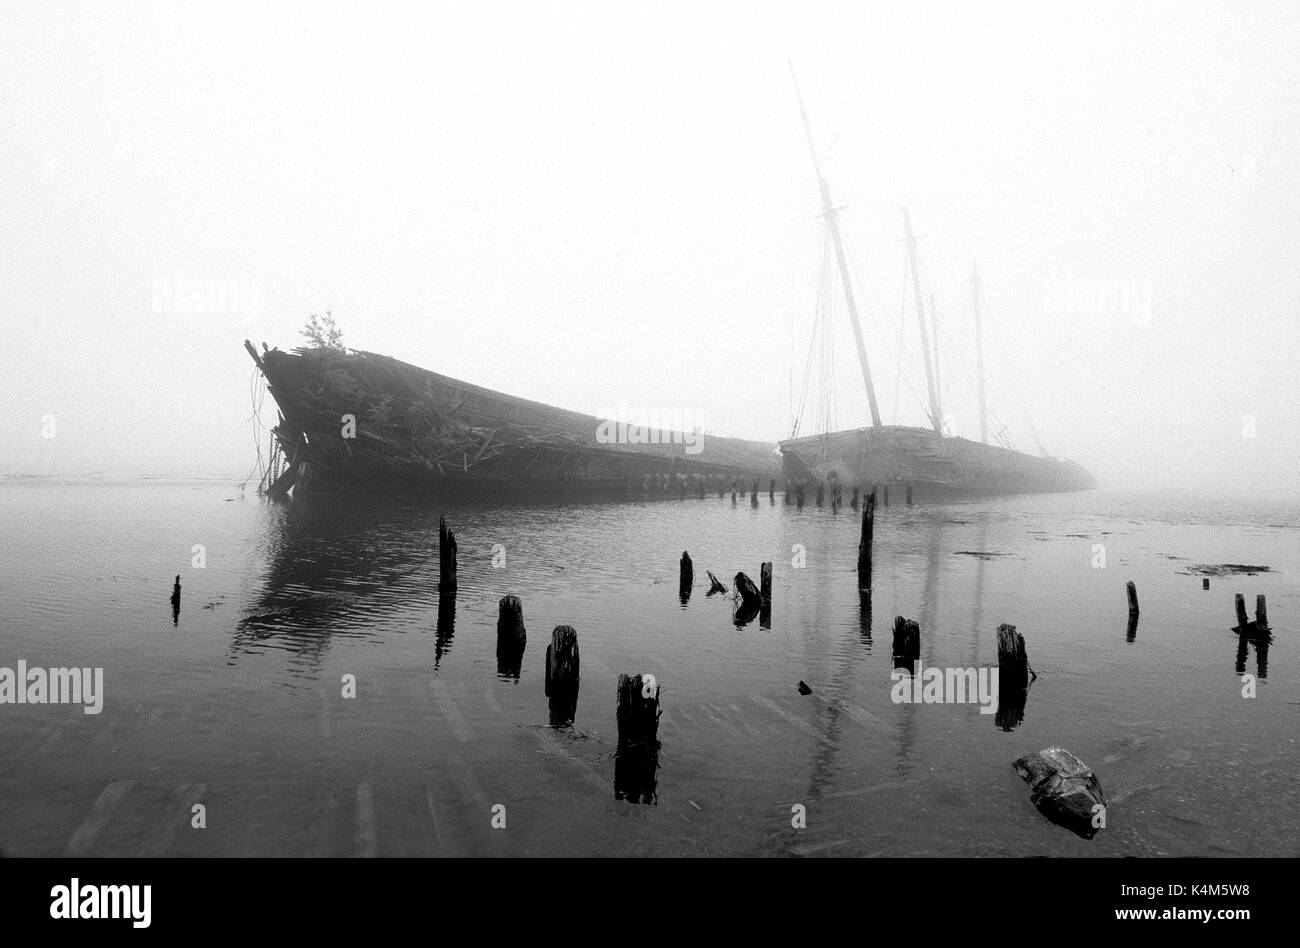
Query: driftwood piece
point(715, 585)
point(562, 675)
point(803, 688)
point(1064, 789)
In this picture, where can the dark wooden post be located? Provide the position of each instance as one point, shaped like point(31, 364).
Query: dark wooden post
point(1261, 613)
point(562, 675)
point(176, 601)
point(765, 583)
point(907, 642)
point(686, 577)
point(446, 557)
point(512, 637)
point(864, 541)
point(1013, 678)
point(750, 597)
point(1132, 598)
point(1243, 624)
point(637, 758)
point(1205, 583)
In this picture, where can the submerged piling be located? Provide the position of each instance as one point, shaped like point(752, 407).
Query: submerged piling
point(765, 583)
point(562, 675)
point(1013, 678)
point(907, 642)
point(446, 557)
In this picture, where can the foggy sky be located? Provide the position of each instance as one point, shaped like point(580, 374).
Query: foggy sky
point(595, 205)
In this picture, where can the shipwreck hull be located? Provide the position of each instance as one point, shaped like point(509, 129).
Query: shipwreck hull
point(933, 465)
point(416, 431)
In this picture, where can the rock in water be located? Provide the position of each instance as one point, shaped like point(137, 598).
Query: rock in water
point(1064, 789)
point(803, 688)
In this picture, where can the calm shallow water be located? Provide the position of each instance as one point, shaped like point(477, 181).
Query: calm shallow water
point(238, 706)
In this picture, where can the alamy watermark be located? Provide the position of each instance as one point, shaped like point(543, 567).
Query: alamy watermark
point(946, 686)
point(638, 426)
point(23, 685)
point(1068, 294)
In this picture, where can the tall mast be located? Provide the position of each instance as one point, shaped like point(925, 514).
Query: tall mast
point(938, 379)
point(831, 213)
point(920, 316)
point(979, 354)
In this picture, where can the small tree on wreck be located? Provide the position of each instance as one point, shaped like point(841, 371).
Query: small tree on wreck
point(322, 333)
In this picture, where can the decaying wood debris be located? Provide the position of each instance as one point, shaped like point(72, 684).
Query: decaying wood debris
point(512, 637)
point(636, 761)
point(562, 675)
point(1064, 789)
point(715, 584)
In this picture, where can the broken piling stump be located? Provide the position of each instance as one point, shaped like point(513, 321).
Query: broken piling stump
point(512, 637)
point(907, 642)
point(636, 761)
point(715, 585)
point(1014, 676)
point(1243, 624)
point(909, 495)
point(765, 583)
point(751, 600)
point(1205, 583)
point(1261, 613)
point(446, 557)
point(1064, 789)
point(686, 577)
point(865, 540)
point(562, 675)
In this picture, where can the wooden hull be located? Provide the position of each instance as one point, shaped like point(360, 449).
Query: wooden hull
point(902, 456)
point(415, 430)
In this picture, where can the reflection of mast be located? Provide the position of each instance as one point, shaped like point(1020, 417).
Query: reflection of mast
point(938, 380)
point(920, 316)
point(979, 354)
point(831, 213)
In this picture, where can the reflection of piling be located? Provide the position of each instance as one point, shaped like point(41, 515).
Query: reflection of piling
point(1013, 678)
point(446, 557)
point(821, 493)
point(562, 675)
point(512, 637)
point(765, 592)
point(637, 758)
point(799, 494)
point(1243, 624)
point(686, 577)
point(1261, 613)
point(771, 491)
point(909, 495)
point(864, 541)
point(886, 495)
point(854, 501)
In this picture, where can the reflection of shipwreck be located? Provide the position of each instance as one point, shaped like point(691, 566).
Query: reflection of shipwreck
point(356, 419)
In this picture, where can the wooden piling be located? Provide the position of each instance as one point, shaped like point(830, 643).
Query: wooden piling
point(1132, 598)
point(1261, 613)
point(562, 675)
point(1205, 583)
point(637, 712)
point(1243, 624)
point(686, 576)
point(176, 601)
point(765, 583)
point(1013, 660)
point(512, 637)
point(865, 540)
point(446, 557)
point(907, 640)
point(750, 597)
